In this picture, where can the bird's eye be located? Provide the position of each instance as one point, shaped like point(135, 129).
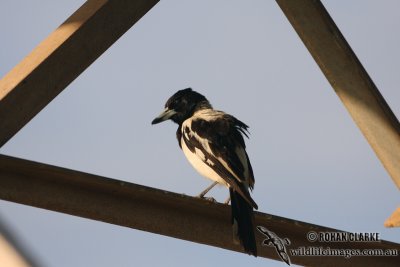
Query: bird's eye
point(175, 102)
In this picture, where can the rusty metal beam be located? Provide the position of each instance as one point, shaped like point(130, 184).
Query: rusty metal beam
point(348, 78)
point(157, 211)
point(62, 57)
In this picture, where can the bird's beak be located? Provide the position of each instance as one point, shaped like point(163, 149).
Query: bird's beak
point(165, 115)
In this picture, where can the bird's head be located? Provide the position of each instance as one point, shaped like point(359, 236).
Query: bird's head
point(181, 106)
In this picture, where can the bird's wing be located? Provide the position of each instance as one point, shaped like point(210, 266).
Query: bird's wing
point(219, 143)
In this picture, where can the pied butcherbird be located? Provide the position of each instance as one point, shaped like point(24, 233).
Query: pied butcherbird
point(213, 143)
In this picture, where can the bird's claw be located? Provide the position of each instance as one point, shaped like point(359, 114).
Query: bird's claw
point(211, 199)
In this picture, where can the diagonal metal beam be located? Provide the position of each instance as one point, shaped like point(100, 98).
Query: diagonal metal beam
point(12, 253)
point(348, 78)
point(157, 211)
point(394, 219)
point(62, 57)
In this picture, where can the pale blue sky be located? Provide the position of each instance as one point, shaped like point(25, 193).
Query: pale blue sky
point(311, 162)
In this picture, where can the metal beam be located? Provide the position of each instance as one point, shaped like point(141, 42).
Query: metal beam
point(348, 78)
point(9, 255)
point(62, 57)
point(157, 211)
point(394, 219)
point(12, 253)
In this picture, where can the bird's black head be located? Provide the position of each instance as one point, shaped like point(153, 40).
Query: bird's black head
point(182, 105)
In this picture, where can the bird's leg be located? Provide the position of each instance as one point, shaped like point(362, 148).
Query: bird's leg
point(227, 200)
point(205, 191)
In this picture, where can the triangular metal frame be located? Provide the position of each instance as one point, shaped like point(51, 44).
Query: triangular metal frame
point(90, 31)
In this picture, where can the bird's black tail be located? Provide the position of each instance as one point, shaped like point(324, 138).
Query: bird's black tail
point(243, 222)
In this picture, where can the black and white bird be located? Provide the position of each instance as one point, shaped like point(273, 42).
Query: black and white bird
point(213, 143)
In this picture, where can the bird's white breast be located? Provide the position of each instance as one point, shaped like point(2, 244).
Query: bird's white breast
point(197, 162)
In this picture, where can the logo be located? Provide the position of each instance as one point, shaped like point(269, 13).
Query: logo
point(273, 240)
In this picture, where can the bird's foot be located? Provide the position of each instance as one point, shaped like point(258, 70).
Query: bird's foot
point(201, 195)
point(211, 199)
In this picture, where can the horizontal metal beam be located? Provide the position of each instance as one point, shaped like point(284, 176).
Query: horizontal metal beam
point(348, 78)
point(157, 211)
point(62, 57)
